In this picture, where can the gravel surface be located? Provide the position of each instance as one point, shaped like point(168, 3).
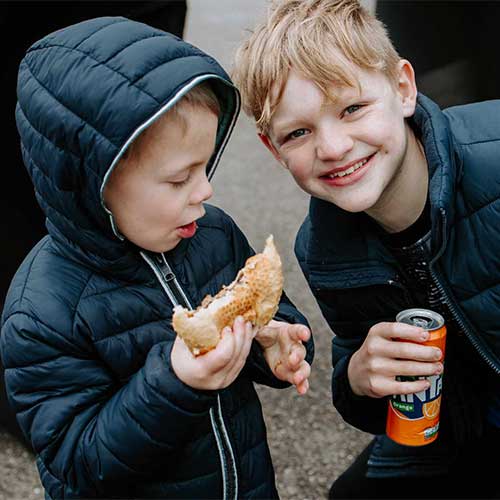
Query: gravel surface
point(310, 443)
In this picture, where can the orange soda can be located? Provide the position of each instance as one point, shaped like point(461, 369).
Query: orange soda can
point(413, 419)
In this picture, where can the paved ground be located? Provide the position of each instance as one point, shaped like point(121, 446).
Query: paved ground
point(309, 442)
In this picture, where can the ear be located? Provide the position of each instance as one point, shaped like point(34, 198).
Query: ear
point(407, 87)
point(269, 145)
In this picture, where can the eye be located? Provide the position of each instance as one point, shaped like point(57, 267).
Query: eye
point(296, 134)
point(352, 109)
point(179, 184)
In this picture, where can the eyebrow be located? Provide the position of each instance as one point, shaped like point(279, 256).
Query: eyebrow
point(284, 124)
point(186, 168)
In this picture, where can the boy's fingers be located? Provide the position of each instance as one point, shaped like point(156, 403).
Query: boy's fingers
point(297, 355)
point(244, 334)
point(240, 332)
point(295, 333)
point(267, 336)
point(412, 351)
point(299, 333)
point(395, 387)
point(302, 374)
point(219, 357)
point(412, 368)
point(240, 356)
point(403, 331)
point(303, 387)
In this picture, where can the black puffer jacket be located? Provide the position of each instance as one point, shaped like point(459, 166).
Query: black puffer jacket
point(357, 282)
point(86, 329)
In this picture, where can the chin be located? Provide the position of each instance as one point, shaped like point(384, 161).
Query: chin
point(356, 206)
point(159, 247)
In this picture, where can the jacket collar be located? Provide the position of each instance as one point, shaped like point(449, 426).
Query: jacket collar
point(432, 125)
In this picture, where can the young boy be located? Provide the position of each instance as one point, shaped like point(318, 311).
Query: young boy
point(404, 213)
point(120, 126)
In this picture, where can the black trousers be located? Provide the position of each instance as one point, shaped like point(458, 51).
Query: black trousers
point(473, 474)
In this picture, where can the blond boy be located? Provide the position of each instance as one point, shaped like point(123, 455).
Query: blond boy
point(401, 194)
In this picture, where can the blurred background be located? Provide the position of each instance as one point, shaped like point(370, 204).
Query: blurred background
point(453, 49)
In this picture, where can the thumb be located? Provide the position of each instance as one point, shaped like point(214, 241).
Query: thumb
point(267, 336)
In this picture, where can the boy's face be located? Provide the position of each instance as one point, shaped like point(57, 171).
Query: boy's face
point(156, 194)
point(348, 152)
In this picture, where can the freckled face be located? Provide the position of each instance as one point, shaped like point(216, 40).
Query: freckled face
point(156, 194)
point(347, 152)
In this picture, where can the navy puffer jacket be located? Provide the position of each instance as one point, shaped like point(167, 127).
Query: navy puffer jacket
point(86, 328)
point(358, 283)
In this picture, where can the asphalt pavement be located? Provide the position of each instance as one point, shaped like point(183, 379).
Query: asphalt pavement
point(310, 443)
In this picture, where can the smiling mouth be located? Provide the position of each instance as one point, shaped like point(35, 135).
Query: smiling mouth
point(348, 171)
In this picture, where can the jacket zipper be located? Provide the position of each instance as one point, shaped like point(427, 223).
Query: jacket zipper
point(453, 309)
point(229, 472)
point(175, 293)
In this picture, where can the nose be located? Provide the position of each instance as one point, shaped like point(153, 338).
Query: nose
point(333, 143)
point(203, 190)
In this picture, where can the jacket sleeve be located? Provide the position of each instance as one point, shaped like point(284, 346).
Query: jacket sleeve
point(363, 412)
point(256, 367)
point(89, 430)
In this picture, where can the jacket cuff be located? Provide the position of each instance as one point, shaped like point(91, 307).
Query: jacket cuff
point(363, 412)
point(178, 393)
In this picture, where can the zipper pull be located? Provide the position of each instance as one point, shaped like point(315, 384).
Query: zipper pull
point(167, 273)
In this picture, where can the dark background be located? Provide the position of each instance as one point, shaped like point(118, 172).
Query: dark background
point(21, 24)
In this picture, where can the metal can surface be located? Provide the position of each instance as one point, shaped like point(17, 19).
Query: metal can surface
point(413, 419)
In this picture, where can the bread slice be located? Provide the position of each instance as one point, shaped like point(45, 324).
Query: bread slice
point(254, 294)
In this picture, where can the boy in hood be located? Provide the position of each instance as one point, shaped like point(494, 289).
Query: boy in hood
point(403, 214)
point(121, 127)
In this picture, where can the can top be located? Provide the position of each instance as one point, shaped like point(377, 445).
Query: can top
point(425, 318)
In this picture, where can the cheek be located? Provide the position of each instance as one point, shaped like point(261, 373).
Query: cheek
point(300, 165)
point(387, 134)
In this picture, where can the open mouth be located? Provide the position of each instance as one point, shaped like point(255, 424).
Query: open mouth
point(344, 176)
point(188, 230)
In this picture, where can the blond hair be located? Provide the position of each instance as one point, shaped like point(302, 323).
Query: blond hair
point(321, 39)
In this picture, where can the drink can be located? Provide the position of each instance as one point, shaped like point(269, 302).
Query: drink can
point(413, 419)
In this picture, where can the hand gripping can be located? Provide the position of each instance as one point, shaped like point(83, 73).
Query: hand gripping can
point(413, 419)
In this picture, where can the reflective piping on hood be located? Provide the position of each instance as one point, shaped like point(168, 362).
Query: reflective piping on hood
point(183, 91)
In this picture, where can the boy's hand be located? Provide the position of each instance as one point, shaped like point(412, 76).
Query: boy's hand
point(219, 367)
point(285, 353)
point(392, 349)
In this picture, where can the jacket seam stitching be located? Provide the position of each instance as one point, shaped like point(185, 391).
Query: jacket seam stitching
point(77, 304)
point(485, 141)
point(82, 120)
point(101, 63)
point(41, 134)
point(118, 459)
point(470, 214)
point(128, 330)
point(45, 325)
point(151, 438)
point(98, 30)
point(25, 284)
point(480, 292)
point(149, 37)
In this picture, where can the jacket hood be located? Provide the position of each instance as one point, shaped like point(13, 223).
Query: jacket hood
point(84, 94)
